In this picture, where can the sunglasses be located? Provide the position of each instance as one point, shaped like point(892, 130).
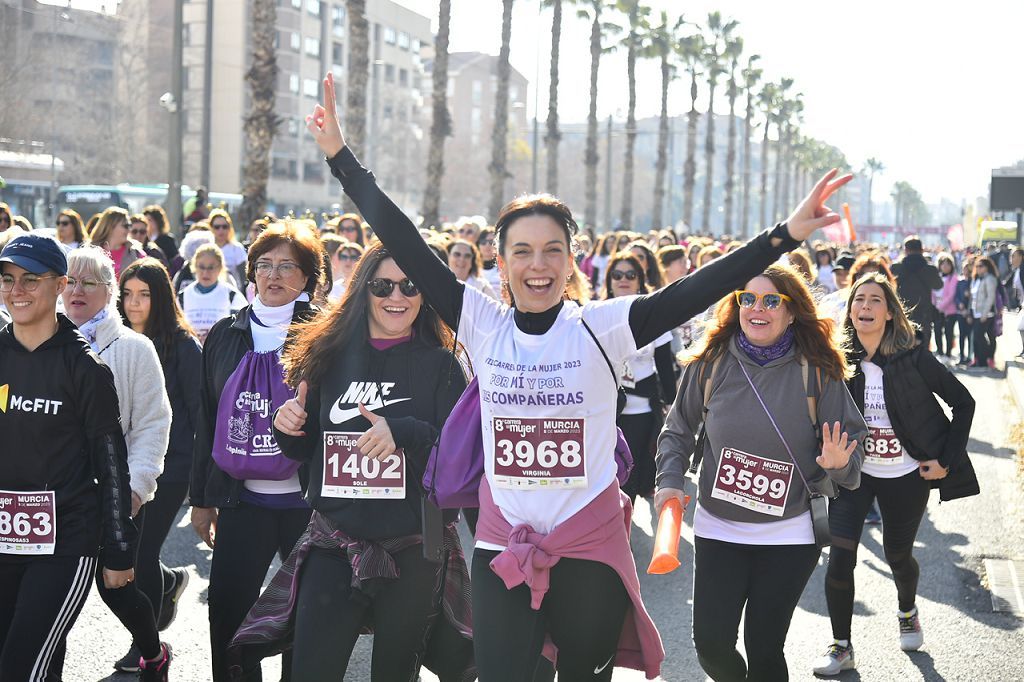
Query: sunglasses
point(63, 223)
point(345, 256)
point(618, 275)
point(219, 226)
point(348, 228)
point(748, 299)
point(382, 287)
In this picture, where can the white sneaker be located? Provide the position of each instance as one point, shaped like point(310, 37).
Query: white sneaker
point(911, 634)
point(835, 660)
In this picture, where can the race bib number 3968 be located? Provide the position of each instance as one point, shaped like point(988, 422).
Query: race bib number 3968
point(28, 522)
point(539, 453)
point(349, 473)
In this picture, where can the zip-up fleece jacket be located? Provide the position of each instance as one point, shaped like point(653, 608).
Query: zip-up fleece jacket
point(226, 344)
point(736, 420)
point(414, 386)
point(60, 430)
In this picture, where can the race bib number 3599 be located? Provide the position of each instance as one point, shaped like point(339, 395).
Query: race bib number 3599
point(349, 473)
point(752, 482)
point(28, 522)
point(539, 453)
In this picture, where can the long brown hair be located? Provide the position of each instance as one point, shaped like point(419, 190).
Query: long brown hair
point(166, 323)
point(900, 331)
point(320, 341)
point(634, 262)
point(814, 334)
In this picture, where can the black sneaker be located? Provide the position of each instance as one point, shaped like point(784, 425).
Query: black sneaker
point(129, 663)
point(156, 671)
point(169, 604)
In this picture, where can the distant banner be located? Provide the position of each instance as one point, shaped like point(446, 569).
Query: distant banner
point(955, 235)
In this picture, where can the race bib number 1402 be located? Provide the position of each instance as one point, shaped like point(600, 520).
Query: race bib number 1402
point(349, 473)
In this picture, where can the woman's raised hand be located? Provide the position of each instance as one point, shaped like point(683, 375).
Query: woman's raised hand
point(291, 417)
point(323, 122)
point(835, 451)
point(812, 213)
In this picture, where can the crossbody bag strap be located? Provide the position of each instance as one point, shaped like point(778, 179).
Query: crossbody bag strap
point(604, 355)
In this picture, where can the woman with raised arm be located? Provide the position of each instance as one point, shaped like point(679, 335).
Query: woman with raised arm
point(552, 532)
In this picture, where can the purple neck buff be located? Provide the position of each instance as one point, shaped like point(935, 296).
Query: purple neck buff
point(762, 355)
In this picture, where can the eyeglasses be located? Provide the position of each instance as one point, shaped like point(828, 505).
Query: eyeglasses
point(748, 299)
point(88, 285)
point(346, 256)
point(208, 268)
point(382, 287)
point(28, 282)
point(220, 226)
point(64, 223)
point(348, 228)
point(264, 269)
point(460, 254)
point(4, 218)
point(618, 275)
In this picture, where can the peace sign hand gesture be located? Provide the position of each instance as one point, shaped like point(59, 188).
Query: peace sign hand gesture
point(835, 451)
point(812, 213)
point(323, 122)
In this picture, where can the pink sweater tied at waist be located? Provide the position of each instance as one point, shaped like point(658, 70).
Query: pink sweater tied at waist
point(598, 532)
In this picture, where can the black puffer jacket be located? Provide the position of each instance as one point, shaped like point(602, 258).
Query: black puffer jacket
point(910, 380)
point(916, 278)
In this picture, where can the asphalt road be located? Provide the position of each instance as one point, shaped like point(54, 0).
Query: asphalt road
point(964, 638)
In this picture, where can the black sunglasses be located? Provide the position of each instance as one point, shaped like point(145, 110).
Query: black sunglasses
point(627, 274)
point(382, 287)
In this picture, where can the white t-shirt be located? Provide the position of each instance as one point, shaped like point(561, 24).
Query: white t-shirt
point(560, 374)
point(636, 367)
point(481, 285)
point(234, 254)
point(204, 310)
point(877, 418)
point(337, 291)
point(794, 531)
point(493, 277)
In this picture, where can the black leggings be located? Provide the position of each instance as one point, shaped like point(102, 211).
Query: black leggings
point(328, 617)
point(944, 333)
point(764, 580)
point(152, 577)
point(248, 537)
point(984, 341)
point(40, 600)
point(637, 429)
point(583, 612)
point(131, 606)
point(902, 502)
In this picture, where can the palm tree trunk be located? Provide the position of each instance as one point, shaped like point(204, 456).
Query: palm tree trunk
point(261, 121)
point(871, 180)
point(441, 122)
point(591, 158)
point(763, 216)
point(552, 137)
point(660, 166)
point(730, 159)
point(777, 191)
point(358, 77)
point(709, 156)
point(744, 226)
point(690, 166)
point(626, 214)
point(499, 136)
point(787, 162)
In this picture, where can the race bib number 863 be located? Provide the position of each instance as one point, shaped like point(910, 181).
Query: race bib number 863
point(28, 522)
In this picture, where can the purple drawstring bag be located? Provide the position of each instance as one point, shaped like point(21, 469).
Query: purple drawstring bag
point(244, 446)
point(457, 484)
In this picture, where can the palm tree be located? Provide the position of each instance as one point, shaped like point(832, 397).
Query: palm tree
point(751, 75)
point(733, 50)
point(872, 167)
point(441, 120)
point(598, 30)
point(658, 44)
point(553, 136)
point(795, 117)
point(636, 14)
point(767, 99)
point(499, 136)
point(358, 77)
point(780, 117)
point(261, 121)
point(691, 50)
point(719, 38)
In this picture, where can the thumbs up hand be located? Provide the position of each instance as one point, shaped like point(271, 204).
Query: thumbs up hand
point(292, 416)
point(377, 442)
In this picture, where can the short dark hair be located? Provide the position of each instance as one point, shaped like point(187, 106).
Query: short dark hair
point(535, 204)
point(912, 244)
point(303, 240)
point(667, 255)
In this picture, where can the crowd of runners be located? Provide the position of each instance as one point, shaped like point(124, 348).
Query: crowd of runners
point(337, 395)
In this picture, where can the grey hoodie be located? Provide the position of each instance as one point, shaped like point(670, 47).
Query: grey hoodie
point(736, 420)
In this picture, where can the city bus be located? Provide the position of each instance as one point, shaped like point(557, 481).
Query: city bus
point(90, 199)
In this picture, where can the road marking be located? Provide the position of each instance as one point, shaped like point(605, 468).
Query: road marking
point(1005, 585)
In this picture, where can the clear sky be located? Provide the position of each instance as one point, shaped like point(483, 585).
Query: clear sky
point(928, 87)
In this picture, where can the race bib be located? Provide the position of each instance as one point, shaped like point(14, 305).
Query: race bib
point(349, 473)
point(28, 522)
point(756, 483)
point(539, 453)
point(883, 448)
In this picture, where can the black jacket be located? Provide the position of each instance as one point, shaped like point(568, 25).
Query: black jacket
point(414, 385)
point(60, 430)
point(916, 278)
point(182, 368)
point(910, 381)
point(225, 345)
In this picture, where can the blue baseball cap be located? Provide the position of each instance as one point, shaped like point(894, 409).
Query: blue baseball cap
point(36, 253)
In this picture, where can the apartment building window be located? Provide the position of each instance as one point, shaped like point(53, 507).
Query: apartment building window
point(293, 126)
point(312, 171)
point(338, 20)
point(310, 87)
point(451, 88)
point(313, 7)
point(403, 40)
point(389, 73)
point(417, 46)
point(478, 92)
point(313, 47)
point(338, 54)
point(186, 35)
point(389, 35)
point(293, 84)
point(403, 77)
point(296, 42)
point(297, 4)
point(284, 168)
point(387, 112)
